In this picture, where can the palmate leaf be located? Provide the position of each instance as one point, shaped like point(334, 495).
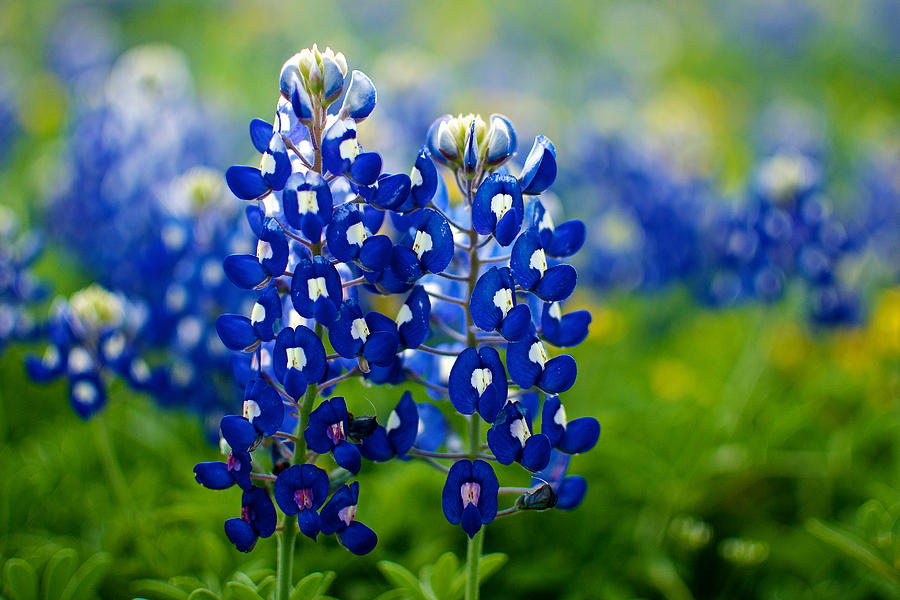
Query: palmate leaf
point(853, 546)
point(403, 579)
point(57, 573)
point(62, 578)
point(235, 590)
point(21, 579)
point(443, 580)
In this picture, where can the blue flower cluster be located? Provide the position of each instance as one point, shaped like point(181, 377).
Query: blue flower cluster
point(88, 345)
point(472, 276)
point(654, 229)
point(160, 220)
point(19, 289)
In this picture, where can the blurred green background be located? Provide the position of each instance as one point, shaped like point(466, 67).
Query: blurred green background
point(743, 455)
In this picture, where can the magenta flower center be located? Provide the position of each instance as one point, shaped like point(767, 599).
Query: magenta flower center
point(470, 493)
point(336, 432)
point(232, 463)
point(347, 515)
point(303, 498)
point(245, 513)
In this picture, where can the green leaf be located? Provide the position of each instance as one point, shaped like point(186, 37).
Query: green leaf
point(425, 582)
point(266, 585)
point(21, 579)
point(854, 547)
point(313, 586)
point(490, 564)
point(241, 577)
point(160, 590)
point(402, 578)
point(58, 571)
point(442, 575)
point(202, 594)
point(235, 590)
point(84, 582)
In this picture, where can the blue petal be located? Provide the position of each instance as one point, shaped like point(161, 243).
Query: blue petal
point(358, 538)
point(376, 252)
point(301, 103)
point(241, 534)
point(471, 520)
point(332, 79)
point(567, 239)
point(517, 323)
point(504, 446)
point(264, 518)
point(524, 371)
point(244, 271)
point(238, 432)
point(365, 168)
point(434, 427)
point(580, 436)
point(381, 347)
point(433, 141)
point(539, 171)
point(246, 183)
point(413, 326)
point(571, 492)
point(391, 191)
point(347, 455)
point(451, 501)
point(403, 436)
point(483, 473)
point(359, 102)
point(536, 453)
point(426, 175)
point(308, 522)
point(520, 259)
point(549, 427)
point(376, 447)
point(557, 284)
point(213, 475)
point(559, 374)
point(462, 394)
point(568, 331)
point(236, 332)
point(260, 134)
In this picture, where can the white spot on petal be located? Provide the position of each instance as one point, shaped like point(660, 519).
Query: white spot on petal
point(296, 358)
point(80, 361)
point(538, 261)
point(503, 299)
point(258, 315)
point(538, 354)
point(554, 311)
point(316, 287)
point(306, 202)
point(347, 515)
point(404, 316)
point(51, 357)
point(359, 329)
point(519, 430)
point(140, 372)
point(393, 422)
point(349, 148)
point(113, 346)
point(357, 234)
point(267, 164)
point(422, 243)
point(251, 410)
point(481, 379)
point(500, 205)
point(560, 417)
point(415, 176)
point(263, 250)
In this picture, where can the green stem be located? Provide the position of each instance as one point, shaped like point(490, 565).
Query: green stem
point(114, 476)
point(288, 534)
point(474, 544)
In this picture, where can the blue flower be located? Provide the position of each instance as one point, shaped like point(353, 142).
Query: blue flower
point(558, 241)
point(571, 437)
point(255, 271)
point(258, 519)
point(564, 331)
point(498, 208)
point(236, 468)
point(238, 332)
point(301, 490)
point(429, 250)
point(511, 440)
point(339, 517)
point(373, 336)
point(360, 99)
point(316, 289)
point(494, 308)
point(478, 383)
point(299, 359)
point(263, 407)
point(87, 394)
point(389, 192)
point(470, 495)
point(530, 365)
point(350, 240)
point(396, 436)
point(250, 183)
point(307, 204)
point(528, 263)
point(342, 155)
point(414, 318)
point(433, 427)
point(327, 432)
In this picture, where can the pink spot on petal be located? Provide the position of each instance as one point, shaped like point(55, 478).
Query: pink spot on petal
point(303, 498)
point(470, 493)
point(336, 432)
point(347, 515)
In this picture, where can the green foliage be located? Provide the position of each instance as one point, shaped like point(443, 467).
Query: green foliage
point(443, 580)
point(257, 584)
point(59, 578)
